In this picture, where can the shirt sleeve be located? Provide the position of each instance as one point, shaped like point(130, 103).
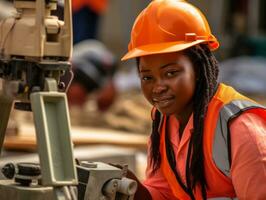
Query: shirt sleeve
point(248, 148)
point(157, 184)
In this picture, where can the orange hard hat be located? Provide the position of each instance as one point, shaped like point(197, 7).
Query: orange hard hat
point(166, 26)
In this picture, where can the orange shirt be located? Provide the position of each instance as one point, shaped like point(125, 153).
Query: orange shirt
point(248, 169)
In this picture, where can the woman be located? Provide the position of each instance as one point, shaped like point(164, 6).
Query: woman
point(208, 141)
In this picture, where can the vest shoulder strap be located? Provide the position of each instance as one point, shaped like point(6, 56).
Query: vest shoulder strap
point(221, 151)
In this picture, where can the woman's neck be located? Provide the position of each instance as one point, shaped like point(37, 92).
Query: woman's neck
point(183, 119)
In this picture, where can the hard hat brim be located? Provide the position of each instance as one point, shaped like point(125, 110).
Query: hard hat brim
point(167, 47)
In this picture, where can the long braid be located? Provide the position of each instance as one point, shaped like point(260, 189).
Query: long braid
point(155, 142)
point(207, 69)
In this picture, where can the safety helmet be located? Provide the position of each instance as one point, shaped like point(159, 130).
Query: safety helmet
point(93, 64)
point(166, 26)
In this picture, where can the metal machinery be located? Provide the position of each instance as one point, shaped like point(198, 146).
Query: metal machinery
point(35, 48)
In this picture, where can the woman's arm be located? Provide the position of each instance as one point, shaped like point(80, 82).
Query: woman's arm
point(156, 183)
point(248, 144)
point(142, 191)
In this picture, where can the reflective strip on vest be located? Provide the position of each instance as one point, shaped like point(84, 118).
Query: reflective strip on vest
point(222, 198)
point(220, 146)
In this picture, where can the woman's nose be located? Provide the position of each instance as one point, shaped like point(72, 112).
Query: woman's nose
point(159, 87)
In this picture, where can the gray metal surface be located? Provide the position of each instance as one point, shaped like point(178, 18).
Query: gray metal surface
point(9, 191)
point(52, 125)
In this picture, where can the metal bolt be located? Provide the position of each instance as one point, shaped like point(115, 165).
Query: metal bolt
point(88, 164)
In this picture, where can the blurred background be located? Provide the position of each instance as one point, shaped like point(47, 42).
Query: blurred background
point(104, 97)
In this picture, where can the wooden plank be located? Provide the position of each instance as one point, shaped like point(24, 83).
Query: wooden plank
point(26, 140)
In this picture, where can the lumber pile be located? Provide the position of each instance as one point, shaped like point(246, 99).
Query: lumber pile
point(25, 138)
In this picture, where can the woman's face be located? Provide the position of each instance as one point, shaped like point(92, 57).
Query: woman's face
point(168, 82)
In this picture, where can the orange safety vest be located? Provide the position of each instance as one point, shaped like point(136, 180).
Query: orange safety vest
point(97, 6)
point(219, 184)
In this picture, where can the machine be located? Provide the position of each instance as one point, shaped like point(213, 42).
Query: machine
point(35, 48)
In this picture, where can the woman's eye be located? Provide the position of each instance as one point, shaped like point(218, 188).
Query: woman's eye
point(171, 73)
point(146, 78)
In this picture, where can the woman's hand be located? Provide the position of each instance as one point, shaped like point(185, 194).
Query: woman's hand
point(142, 192)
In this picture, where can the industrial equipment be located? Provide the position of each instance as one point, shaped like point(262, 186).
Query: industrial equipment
point(35, 48)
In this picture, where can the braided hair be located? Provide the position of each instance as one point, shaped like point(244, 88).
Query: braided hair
point(206, 67)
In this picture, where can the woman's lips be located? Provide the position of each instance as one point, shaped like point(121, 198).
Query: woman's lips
point(163, 101)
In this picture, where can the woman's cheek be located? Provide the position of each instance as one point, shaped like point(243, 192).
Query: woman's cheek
point(146, 91)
